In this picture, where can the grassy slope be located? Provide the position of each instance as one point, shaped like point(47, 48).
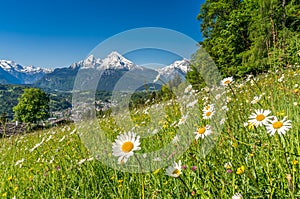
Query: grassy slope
point(271, 162)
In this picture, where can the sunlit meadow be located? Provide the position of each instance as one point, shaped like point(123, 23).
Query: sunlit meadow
point(256, 154)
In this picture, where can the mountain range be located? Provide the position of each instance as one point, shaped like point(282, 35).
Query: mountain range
point(111, 68)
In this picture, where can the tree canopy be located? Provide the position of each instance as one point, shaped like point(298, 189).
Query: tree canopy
point(33, 106)
point(250, 36)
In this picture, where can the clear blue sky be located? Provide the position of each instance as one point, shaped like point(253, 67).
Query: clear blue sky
point(57, 33)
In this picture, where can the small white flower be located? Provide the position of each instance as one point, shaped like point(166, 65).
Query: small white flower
point(19, 162)
point(202, 132)
point(62, 138)
point(36, 146)
point(259, 118)
point(227, 81)
point(281, 127)
point(192, 104)
point(188, 89)
point(182, 120)
point(209, 107)
point(125, 145)
point(222, 121)
point(255, 99)
point(228, 165)
point(237, 196)
point(208, 114)
point(174, 170)
point(176, 139)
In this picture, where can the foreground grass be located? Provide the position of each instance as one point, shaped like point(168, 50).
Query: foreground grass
point(56, 164)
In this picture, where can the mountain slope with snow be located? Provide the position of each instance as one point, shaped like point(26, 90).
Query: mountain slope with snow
point(111, 69)
point(18, 74)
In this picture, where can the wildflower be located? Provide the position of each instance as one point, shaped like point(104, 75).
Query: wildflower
point(194, 168)
point(222, 121)
point(225, 108)
point(188, 89)
point(259, 118)
point(281, 78)
point(202, 132)
point(237, 196)
point(192, 104)
point(182, 120)
point(208, 114)
point(19, 162)
point(62, 138)
point(176, 139)
point(174, 170)
point(255, 99)
point(226, 81)
point(209, 107)
point(157, 159)
point(227, 165)
point(280, 126)
point(240, 170)
point(184, 167)
point(156, 171)
point(294, 162)
point(125, 145)
point(36, 146)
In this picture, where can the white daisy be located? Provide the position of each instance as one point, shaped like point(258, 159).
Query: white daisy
point(237, 196)
point(209, 107)
point(182, 120)
point(280, 126)
point(202, 132)
point(226, 81)
point(125, 145)
point(174, 170)
point(259, 118)
point(208, 114)
point(255, 99)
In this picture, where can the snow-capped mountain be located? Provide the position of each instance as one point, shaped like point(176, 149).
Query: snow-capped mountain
point(180, 67)
point(21, 74)
point(113, 67)
point(116, 61)
point(89, 62)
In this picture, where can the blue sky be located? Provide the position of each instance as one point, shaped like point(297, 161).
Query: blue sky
point(57, 33)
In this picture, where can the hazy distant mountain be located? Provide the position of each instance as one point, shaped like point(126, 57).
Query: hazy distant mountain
point(178, 67)
point(111, 69)
point(12, 73)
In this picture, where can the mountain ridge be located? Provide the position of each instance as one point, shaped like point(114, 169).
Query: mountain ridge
point(113, 66)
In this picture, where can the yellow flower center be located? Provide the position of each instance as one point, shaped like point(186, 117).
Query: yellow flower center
point(227, 81)
point(277, 125)
point(201, 130)
point(208, 114)
point(127, 146)
point(207, 107)
point(260, 117)
point(176, 172)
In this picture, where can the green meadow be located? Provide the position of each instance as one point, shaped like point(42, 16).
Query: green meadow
point(257, 161)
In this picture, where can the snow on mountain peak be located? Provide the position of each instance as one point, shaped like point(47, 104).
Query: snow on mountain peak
point(11, 66)
point(116, 61)
point(180, 67)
